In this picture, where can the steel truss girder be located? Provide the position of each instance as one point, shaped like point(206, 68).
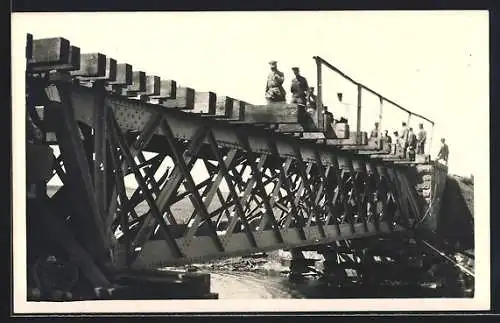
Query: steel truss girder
point(315, 186)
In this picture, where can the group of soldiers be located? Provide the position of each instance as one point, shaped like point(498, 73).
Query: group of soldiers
point(407, 141)
point(302, 93)
point(410, 143)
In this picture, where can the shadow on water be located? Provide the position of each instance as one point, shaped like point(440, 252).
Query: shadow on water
point(435, 281)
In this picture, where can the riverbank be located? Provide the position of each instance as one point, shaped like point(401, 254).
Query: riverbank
point(456, 219)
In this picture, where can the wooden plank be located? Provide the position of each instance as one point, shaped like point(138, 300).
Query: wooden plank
point(224, 106)
point(289, 127)
point(313, 135)
point(274, 113)
point(96, 66)
point(184, 99)
point(152, 86)
point(351, 141)
point(370, 146)
point(340, 142)
point(110, 69)
point(205, 102)
point(123, 74)
point(91, 65)
point(238, 110)
point(377, 153)
point(167, 90)
point(360, 147)
point(309, 140)
point(138, 83)
point(384, 156)
point(49, 52)
point(72, 64)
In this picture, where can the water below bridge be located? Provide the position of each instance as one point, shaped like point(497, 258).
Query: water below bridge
point(267, 277)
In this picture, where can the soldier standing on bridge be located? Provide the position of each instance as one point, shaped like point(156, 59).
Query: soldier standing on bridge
point(404, 138)
point(374, 133)
point(311, 100)
point(386, 141)
point(412, 142)
point(421, 138)
point(299, 87)
point(443, 152)
point(274, 86)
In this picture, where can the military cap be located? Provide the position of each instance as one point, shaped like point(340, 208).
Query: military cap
point(273, 62)
point(295, 68)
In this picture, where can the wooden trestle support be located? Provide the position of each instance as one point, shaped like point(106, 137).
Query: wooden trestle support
point(265, 189)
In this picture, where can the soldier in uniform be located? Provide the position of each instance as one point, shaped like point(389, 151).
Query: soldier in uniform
point(299, 87)
point(404, 137)
point(374, 133)
point(444, 151)
point(274, 86)
point(311, 100)
point(421, 138)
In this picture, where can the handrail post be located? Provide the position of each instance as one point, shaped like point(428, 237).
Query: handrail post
point(430, 141)
point(380, 114)
point(320, 60)
point(358, 117)
point(319, 97)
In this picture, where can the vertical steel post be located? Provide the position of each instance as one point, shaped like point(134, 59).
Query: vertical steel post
point(100, 135)
point(380, 116)
point(319, 98)
point(358, 117)
point(430, 140)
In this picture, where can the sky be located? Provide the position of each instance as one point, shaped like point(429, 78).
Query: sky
point(433, 63)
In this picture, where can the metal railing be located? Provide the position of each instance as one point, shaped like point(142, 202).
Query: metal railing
point(319, 112)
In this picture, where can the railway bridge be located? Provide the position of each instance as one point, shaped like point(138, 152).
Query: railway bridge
point(267, 182)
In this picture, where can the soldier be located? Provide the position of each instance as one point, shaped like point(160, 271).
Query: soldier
point(311, 100)
point(443, 152)
point(412, 138)
point(404, 137)
point(398, 143)
point(299, 87)
point(387, 141)
point(386, 137)
point(421, 138)
point(274, 86)
point(374, 133)
point(328, 122)
point(411, 143)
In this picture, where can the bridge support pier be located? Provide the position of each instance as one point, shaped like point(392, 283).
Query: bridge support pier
point(390, 267)
point(300, 264)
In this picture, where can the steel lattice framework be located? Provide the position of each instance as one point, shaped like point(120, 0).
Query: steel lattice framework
point(262, 190)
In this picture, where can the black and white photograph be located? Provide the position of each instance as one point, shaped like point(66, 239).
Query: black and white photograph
point(263, 161)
